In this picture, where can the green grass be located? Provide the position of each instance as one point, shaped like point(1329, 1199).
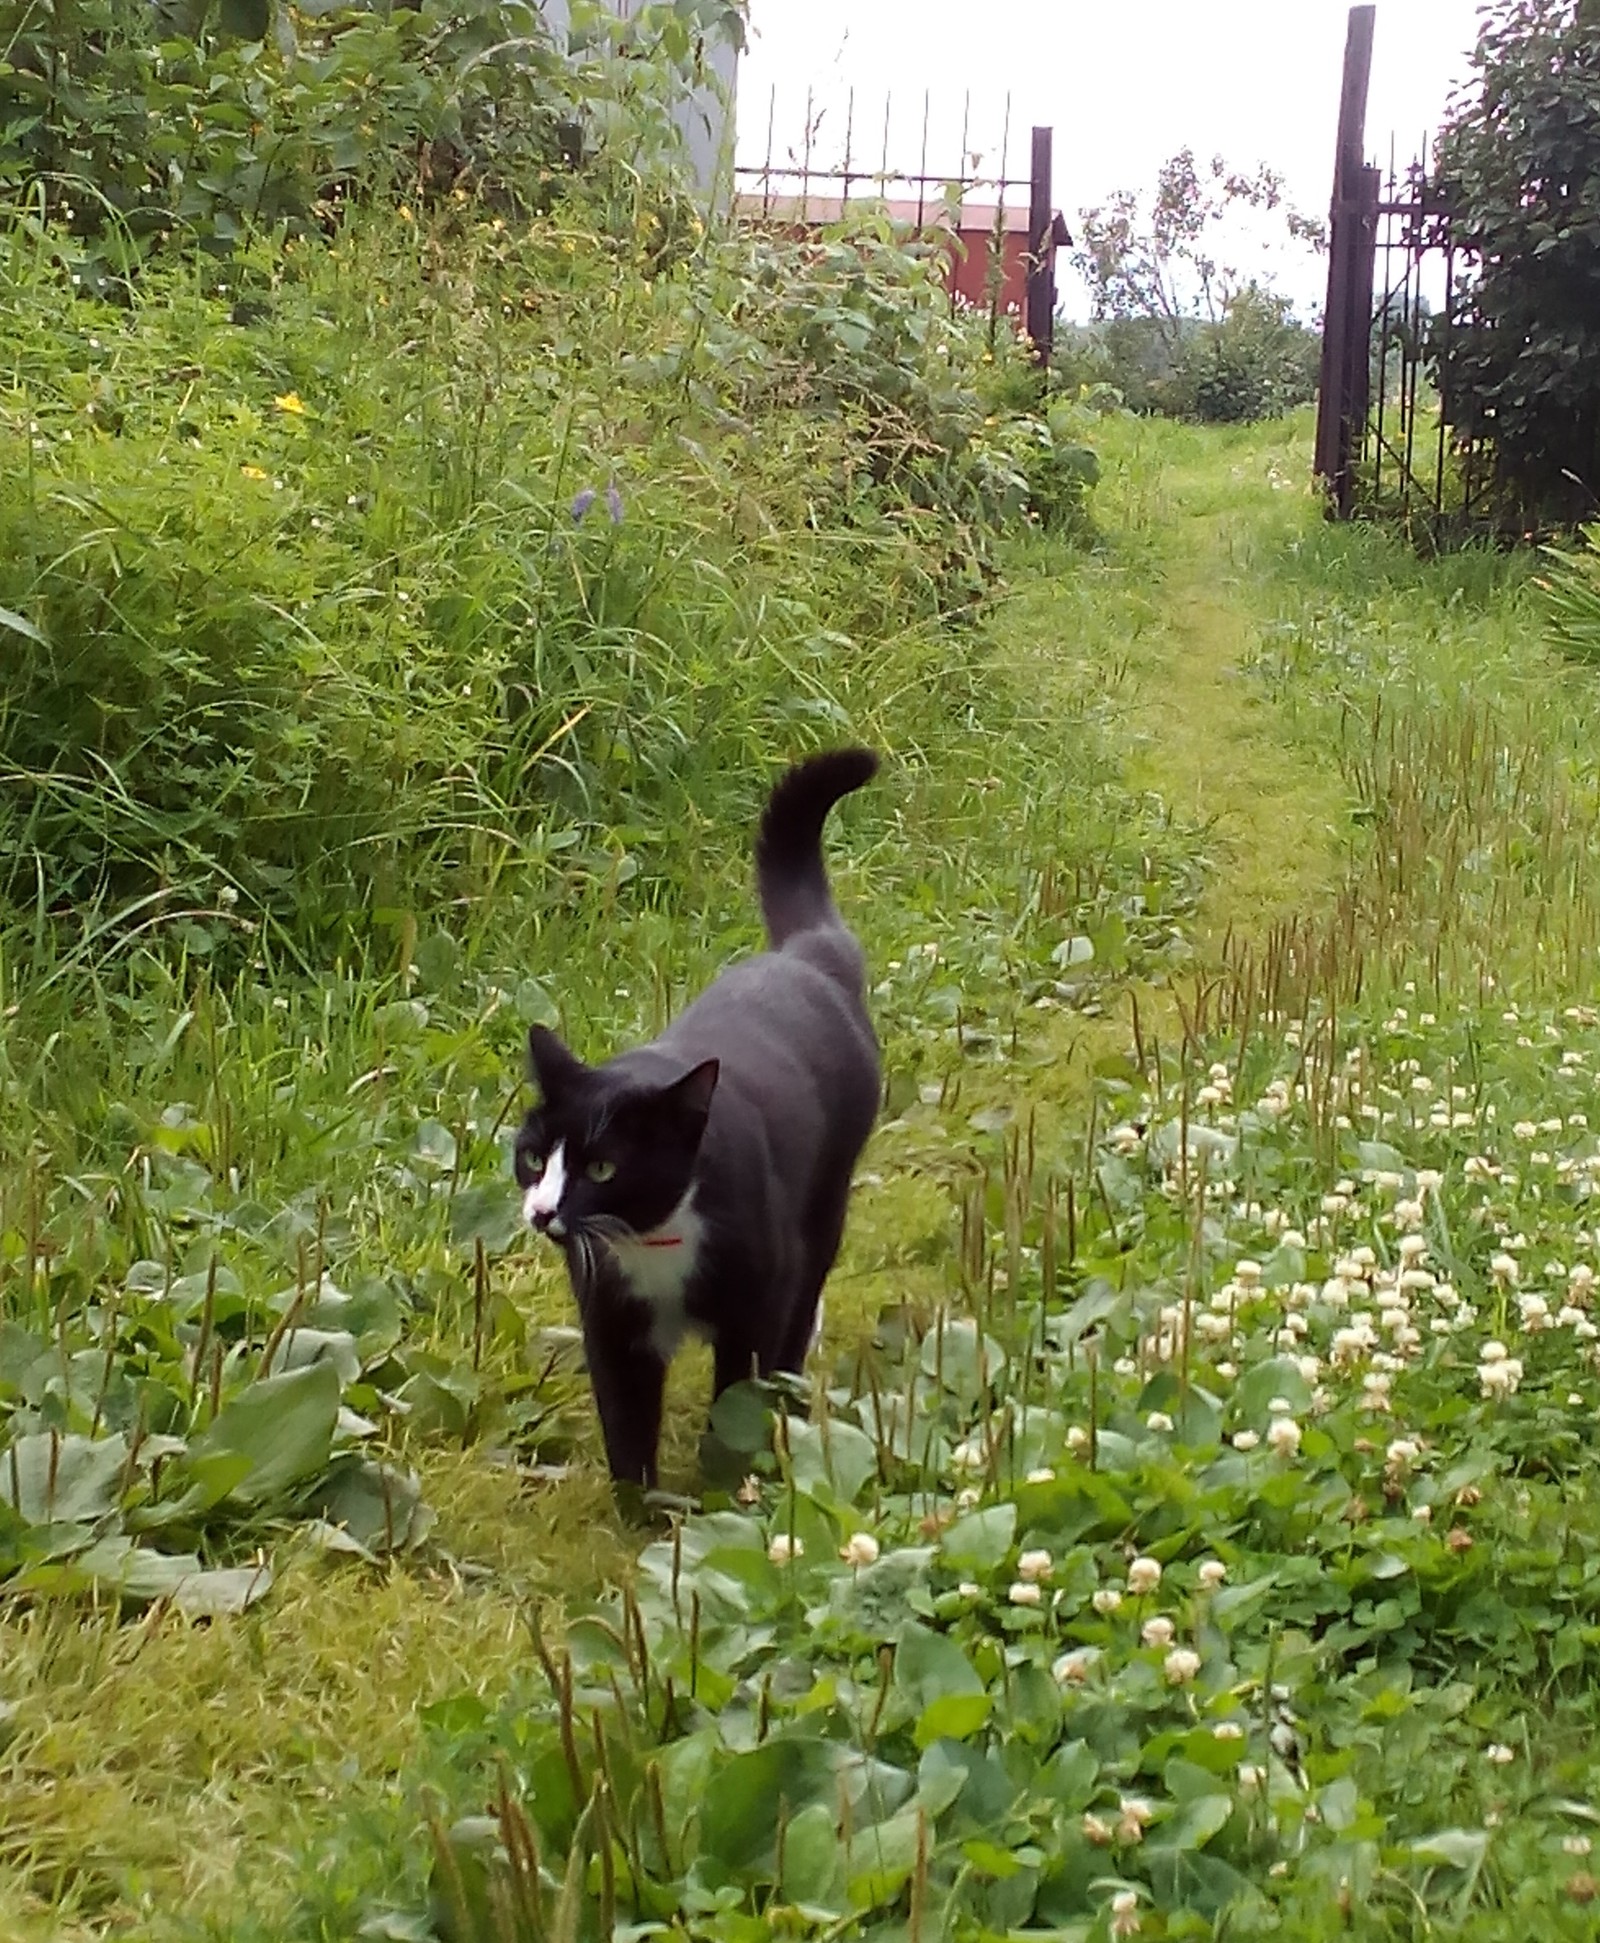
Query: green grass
point(1233, 800)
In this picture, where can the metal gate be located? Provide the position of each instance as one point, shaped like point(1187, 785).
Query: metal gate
point(1386, 443)
point(1003, 229)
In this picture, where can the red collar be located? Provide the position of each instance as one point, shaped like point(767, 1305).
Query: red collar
point(661, 1241)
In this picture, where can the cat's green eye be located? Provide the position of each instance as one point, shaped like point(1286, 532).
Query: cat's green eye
point(534, 1165)
point(601, 1170)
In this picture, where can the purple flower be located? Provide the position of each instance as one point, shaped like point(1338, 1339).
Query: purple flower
point(582, 503)
point(614, 503)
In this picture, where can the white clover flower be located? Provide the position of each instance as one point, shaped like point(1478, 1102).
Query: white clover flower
point(1072, 1669)
point(1125, 1919)
point(967, 1497)
point(1159, 1631)
point(1180, 1666)
point(1106, 1600)
point(1034, 1566)
point(967, 1590)
point(1576, 1844)
point(1096, 1829)
point(1493, 1352)
point(1500, 1378)
point(1402, 1451)
point(1211, 1572)
point(1413, 1247)
point(861, 1548)
point(1525, 1130)
point(969, 1456)
point(1209, 1096)
point(1077, 1438)
point(1227, 1730)
point(1283, 1436)
point(1499, 1753)
point(1043, 1475)
point(1245, 1440)
point(1250, 1776)
point(1144, 1575)
point(1026, 1593)
point(1247, 1274)
point(1158, 1420)
point(784, 1549)
point(1504, 1267)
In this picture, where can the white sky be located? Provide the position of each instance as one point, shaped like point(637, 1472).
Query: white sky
point(1124, 85)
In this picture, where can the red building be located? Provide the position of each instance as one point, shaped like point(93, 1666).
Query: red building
point(971, 232)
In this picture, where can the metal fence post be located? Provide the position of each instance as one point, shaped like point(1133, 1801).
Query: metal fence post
point(1041, 288)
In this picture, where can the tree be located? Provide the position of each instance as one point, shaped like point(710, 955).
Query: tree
point(1185, 330)
point(1519, 160)
point(1164, 264)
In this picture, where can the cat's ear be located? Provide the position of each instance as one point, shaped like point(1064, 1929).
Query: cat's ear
point(552, 1067)
point(691, 1095)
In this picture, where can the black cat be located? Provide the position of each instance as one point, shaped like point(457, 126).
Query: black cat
point(699, 1183)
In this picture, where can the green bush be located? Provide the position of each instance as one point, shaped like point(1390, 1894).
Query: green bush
point(431, 557)
point(1519, 366)
point(205, 120)
point(1256, 362)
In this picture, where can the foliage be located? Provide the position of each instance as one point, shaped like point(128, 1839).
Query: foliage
point(253, 115)
point(303, 624)
point(1519, 162)
point(1179, 328)
point(1256, 361)
point(1572, 597)
point(1164, 264)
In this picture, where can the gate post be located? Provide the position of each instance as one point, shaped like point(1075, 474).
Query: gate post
point(1040, 309)
point(1347, 316)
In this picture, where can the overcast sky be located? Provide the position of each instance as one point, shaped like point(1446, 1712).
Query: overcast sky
point(1123, 85)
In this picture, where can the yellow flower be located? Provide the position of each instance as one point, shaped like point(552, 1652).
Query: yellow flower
point(406, 215)
point(252, 472)
point(291, 402)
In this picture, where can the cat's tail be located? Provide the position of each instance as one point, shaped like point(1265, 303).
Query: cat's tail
point(790, 873)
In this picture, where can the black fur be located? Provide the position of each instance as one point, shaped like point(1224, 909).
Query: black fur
point(757, 1101)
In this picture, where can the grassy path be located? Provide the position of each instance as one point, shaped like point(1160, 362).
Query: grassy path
point(182, 1760)
point(1199, 735)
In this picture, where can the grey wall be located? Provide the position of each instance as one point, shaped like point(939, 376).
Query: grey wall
point(706, 119)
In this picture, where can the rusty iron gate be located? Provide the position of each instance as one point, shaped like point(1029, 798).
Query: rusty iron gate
point(1396, 270)
point(1004, 229)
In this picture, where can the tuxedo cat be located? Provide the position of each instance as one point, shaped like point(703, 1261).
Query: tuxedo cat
point(699, 1183)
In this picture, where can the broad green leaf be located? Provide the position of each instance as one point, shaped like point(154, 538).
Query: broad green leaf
point(1278, 1376)
point(961, 1356)
point(930, 1666)
point(979, 1541)
point(744, 1800)
point(380, 1507)
point(953, 1717)
point(839, 1455)
point(283, 1424)
point(881, 1859)
point(813, 1859)
point(1071, 1776)
point(1195, 1822)
point(53, 1479)
point(210, 1595)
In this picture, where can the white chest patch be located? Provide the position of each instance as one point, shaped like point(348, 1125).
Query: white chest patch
point(544, 1197)
point(657, 1268)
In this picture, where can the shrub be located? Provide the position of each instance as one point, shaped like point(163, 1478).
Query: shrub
point(432, 556)
point(1519, 367)
point(250, 114)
